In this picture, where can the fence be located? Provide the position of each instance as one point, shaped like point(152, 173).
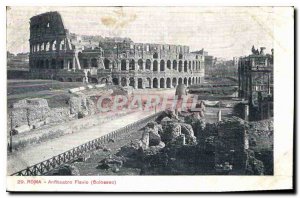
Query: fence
point(73, 154)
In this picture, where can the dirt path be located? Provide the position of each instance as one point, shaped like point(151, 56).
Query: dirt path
point(38, 153)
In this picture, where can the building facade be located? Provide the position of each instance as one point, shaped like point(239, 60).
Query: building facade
point(55, 53)
point(256, 83)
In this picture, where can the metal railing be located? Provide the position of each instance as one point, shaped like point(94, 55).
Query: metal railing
point(77, 152)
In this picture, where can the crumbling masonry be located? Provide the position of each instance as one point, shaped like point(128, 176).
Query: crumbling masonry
point(55, 53)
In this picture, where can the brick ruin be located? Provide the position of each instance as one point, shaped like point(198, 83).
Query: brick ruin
point(56, 53)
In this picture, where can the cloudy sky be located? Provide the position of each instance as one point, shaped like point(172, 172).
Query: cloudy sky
point(223, 32)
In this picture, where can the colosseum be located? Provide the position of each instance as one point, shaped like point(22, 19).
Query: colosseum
point(56, 53)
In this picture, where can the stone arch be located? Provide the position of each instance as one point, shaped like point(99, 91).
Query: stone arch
point(190, 65)
point(62, 45)
point(155, 65)
point(61, 63)
point(168, 83)
point(131, 82)
point(47, 64)
point(180, 56)
point(53, 45)
point(106, 63)
point(140, 63)
point(162, 65)
point(193, 65)
point(185, 81)
point(115, 81)
point(94, 62)
point(69, 80)
point(174, 65)
point(174, 82)
point(41, 63)
point(169, 64)
point(140, 83)
point(180, 66)
point(60, 79)
point(123, 81)
point(47, 47)
point(79, 80)
point(196, 65)
point(132, 64)
point(155, 83)
point(193, 80)
point(185, 66)
point(179, 81)
point(53, 63)
point(190, 81)
point(155, 55)
point(123, 65)
point(148, 64)
point(162, 83)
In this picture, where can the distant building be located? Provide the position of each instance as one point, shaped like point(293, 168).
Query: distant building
point(256, 83)
point(65, 56)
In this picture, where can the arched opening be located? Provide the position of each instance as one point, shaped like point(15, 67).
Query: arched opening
point(148, 64)
point(155, 55)
point(162, 65)
point(174, 65)
point(61, 79)
point(148, 83)
point(168, 83)
point(180, 66)
point(123, 65)
point(132, 64)
point(162, 83)
point(174, 82)
point(69, 80)
point(190, 65)
point(131, 82)
point(94, 80)
point(155, 65)
point(180, 81)
point(61, 64)
point(47, 64)
point(196, 65)
point(140, 63)
point(185, 81)
point(169, 64)
point(190, 81)
point(70, 64)
point(180, 56)
point(185, 66)
point(123, 81)
point(53, 46)
point(62, 45)
point(106, 63)
point(140, 83)
point(115, 81)
point(53, 63)
point(103, 81)
point(155, 83)
point(79, 79)
point(41, 63)
point(85, 63)
point(47, 48)
point(193, 65)
point(193, 80)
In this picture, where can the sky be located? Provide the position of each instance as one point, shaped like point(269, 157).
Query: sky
point(222, 31)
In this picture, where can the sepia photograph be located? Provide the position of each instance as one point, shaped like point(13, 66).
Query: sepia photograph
point(95, 94)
